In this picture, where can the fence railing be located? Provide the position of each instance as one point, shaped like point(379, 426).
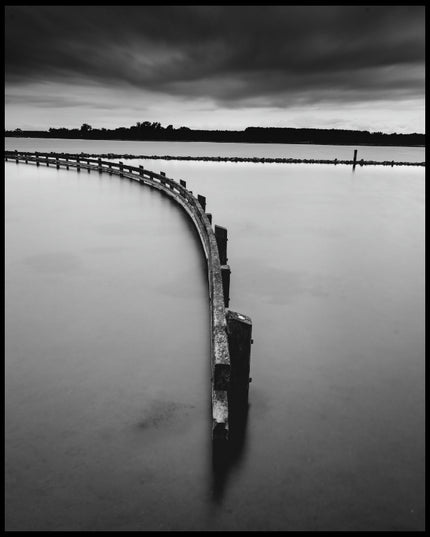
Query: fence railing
point(222, 332)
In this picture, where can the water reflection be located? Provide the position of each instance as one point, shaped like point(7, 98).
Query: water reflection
point(228, 456)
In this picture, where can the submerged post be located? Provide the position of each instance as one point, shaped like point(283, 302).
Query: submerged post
point(121, 169)
point(221, 239)
point(354, 163)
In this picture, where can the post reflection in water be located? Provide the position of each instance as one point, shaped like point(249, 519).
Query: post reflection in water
point(228, 455)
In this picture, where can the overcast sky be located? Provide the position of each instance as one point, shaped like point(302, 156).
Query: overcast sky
point(216, 67)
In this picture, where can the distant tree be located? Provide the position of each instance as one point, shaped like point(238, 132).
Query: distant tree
point(86, 128)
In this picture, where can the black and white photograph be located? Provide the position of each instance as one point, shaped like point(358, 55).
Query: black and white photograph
point(214, 268)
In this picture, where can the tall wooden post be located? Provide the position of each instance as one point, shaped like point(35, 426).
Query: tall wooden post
point(121, 169)
point(225, 274)
point(239, 330)
point(354, 163)
point(221, 239)
point(202, 201)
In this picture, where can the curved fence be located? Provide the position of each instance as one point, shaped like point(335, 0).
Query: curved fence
point(230, 331)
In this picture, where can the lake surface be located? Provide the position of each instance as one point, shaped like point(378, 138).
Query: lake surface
point(107, 417)
point(208, 149)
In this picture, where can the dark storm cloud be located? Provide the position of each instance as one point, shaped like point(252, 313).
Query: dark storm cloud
point(230, 54)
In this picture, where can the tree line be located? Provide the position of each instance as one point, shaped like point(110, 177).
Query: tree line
point(146, 130)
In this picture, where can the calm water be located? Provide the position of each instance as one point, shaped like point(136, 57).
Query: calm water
point(207, 149)
point(107, 418)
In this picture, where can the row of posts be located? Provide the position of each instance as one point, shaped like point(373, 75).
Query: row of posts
point(239, 329)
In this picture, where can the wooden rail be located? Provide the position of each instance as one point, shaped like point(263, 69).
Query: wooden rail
point(222, 333)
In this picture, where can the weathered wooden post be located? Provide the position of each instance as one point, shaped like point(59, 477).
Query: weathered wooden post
point(141, 170)
point(78, 164)
point(221, 239)
point(121, 169)
point(202, 201)
point(57, 162)
point(67, 162)
point(16, 156)
point(183, 183)
point(37, 158)
point(354, 163)
point(225, 275)
point(47, 161)
point(110, 168)
point(239, 331)
point(99, 162)
point(209, 215)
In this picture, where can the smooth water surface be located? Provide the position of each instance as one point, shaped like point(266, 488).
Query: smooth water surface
point(107, 355)
point(210, 149)
point(103, 433)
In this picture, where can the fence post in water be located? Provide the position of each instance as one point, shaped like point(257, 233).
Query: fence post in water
point(221, 239)
point(78, 164)
point(121, 169)
point(239, 331)
point(57, 163)
point(225, 274)
point(141, 170)
point(99, 161)
point(67, 162)
point(354, 163)
point(202, 201)
point(16, 156)
point(47, 161)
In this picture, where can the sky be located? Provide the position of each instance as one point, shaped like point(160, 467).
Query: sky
point(215, 67)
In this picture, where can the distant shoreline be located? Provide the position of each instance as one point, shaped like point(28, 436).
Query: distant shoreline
point(155, 132)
